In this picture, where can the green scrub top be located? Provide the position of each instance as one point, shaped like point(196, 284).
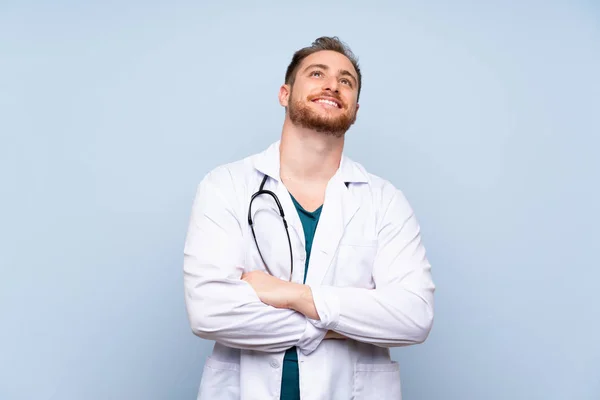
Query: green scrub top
point(290, 380)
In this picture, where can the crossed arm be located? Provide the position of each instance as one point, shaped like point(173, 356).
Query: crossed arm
point(260, 312)
point(283, 294)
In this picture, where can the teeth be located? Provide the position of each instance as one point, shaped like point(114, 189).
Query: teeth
point(331, 103)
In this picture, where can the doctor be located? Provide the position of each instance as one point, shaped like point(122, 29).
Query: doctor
point(304, 268)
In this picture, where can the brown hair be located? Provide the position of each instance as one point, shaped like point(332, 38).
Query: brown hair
point(322, 43)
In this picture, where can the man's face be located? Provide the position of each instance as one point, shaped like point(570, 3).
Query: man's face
point(324, 94)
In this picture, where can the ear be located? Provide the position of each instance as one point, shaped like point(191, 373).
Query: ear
point(284, 95)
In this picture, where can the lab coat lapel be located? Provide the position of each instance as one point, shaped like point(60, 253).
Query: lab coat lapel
point(267, 163)
point(339, 208)
point(295, 229)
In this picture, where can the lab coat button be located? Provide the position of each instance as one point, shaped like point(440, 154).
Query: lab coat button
point(274, 364)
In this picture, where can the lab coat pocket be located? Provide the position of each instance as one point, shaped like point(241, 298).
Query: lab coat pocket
point(354, 263)
point(377, 382)
point(220, 380)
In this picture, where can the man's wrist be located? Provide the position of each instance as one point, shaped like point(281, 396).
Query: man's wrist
point(297, 294)
point(301, 300)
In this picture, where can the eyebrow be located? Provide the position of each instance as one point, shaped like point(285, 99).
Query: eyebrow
point(342, 72)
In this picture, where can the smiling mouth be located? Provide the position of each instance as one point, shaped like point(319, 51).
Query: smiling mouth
point(328, 102)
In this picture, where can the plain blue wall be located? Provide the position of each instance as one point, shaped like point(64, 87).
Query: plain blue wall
point(486, 116)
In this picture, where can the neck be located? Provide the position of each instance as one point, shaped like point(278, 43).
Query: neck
point(308, 156)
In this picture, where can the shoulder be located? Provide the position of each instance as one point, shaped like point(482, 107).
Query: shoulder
point(229, 176)
point(384, 195)
point(222, 189)
point(378, 186)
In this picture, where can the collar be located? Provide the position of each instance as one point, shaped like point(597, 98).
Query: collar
point(267, 162)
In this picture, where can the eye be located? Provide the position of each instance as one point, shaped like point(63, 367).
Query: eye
point(346, 81)
point(316, 73)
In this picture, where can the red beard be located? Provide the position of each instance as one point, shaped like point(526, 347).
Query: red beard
point(301, 114)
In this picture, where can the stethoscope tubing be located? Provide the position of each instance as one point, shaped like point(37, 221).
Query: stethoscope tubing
point(262, 191)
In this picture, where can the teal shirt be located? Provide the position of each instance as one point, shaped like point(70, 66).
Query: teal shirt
point(290, 380)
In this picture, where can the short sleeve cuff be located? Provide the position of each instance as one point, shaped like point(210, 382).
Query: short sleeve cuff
point(327, 304)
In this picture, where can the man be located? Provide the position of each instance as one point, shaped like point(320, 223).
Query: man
point(301, 266)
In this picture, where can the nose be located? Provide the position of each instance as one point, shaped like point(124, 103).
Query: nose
point(331, 84)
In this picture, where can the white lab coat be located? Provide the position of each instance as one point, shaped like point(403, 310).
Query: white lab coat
point(368, 273)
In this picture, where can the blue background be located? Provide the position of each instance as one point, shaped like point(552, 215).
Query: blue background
point(485, 115)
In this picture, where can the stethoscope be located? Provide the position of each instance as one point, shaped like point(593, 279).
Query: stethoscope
point(260, 191)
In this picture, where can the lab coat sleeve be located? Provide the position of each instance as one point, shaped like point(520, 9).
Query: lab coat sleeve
point(220, 306)
point(399, 311)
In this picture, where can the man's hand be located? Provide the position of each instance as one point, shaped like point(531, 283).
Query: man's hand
point(282, 294)
point(334, 335)
point(270, 290)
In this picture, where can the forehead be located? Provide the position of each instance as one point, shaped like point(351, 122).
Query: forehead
point(332, 59)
